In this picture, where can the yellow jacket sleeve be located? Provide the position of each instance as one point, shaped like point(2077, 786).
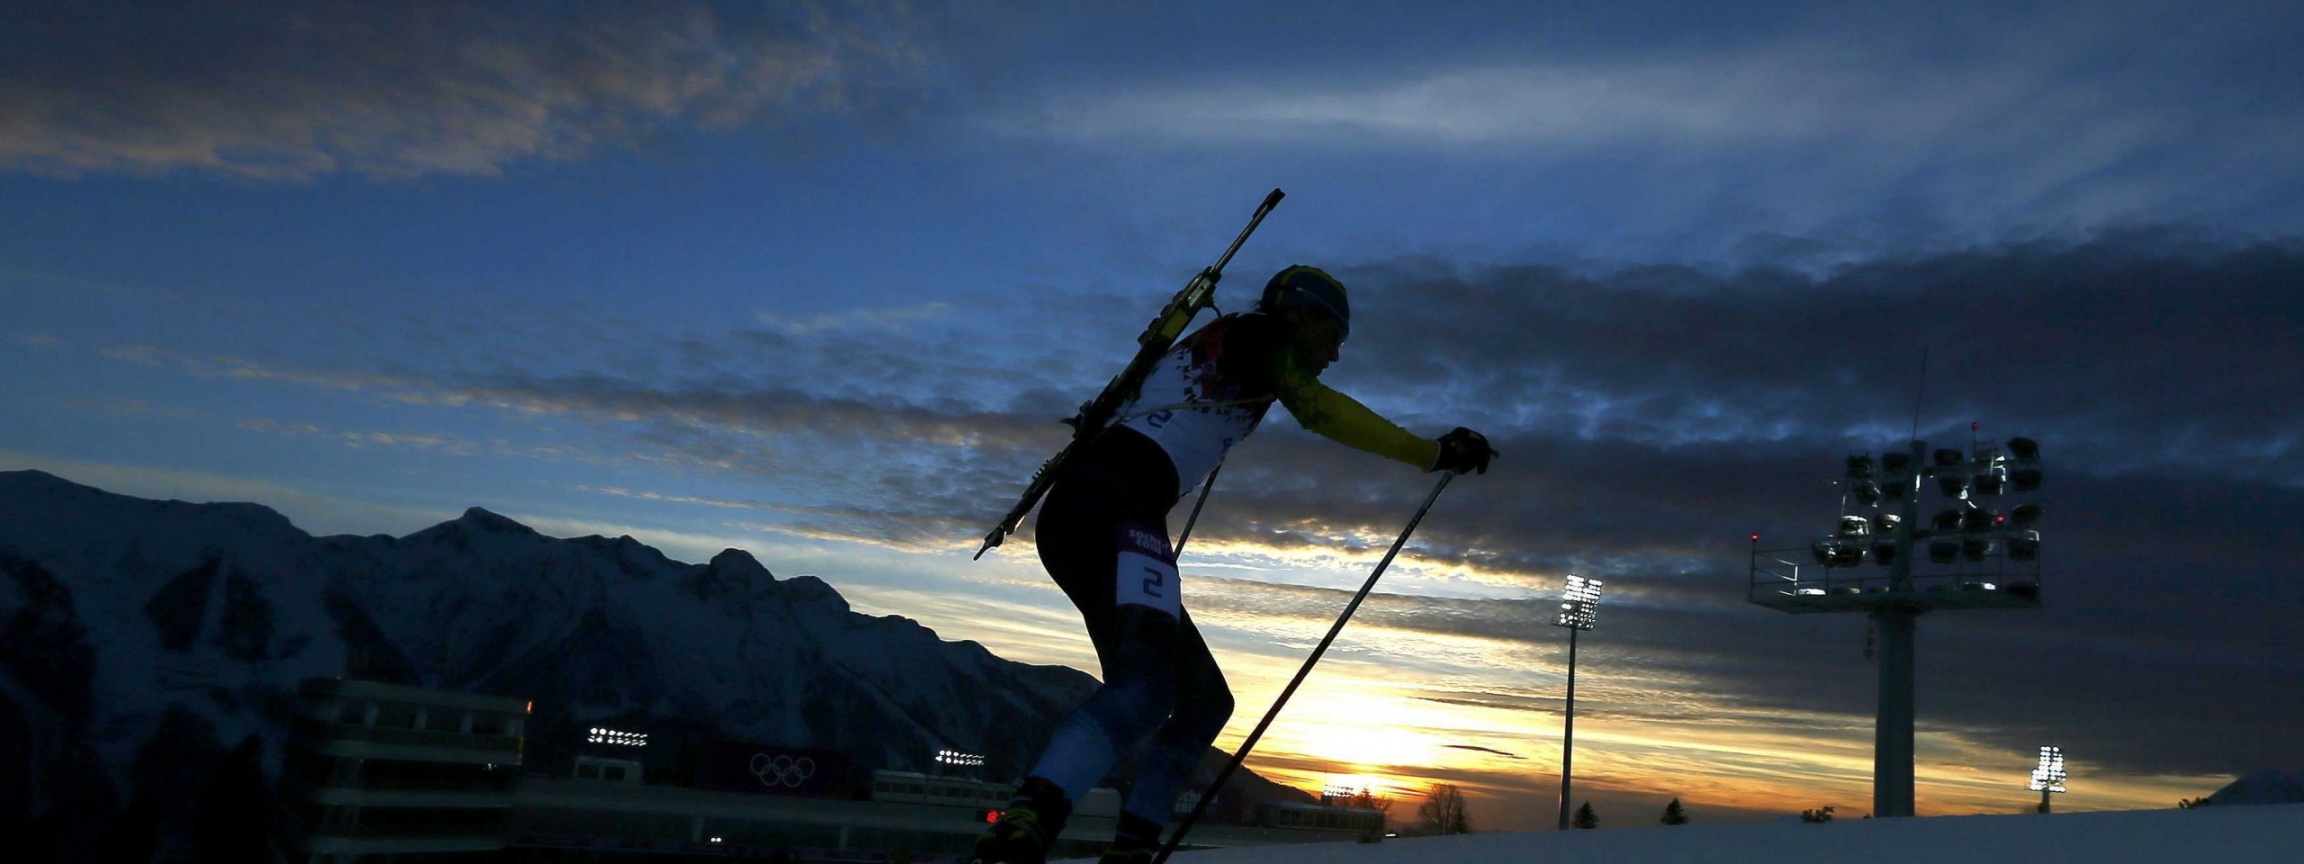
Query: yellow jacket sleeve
point(1344, 420)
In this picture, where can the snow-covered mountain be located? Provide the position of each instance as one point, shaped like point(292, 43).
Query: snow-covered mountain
point(142, 641)
point(2269, 786)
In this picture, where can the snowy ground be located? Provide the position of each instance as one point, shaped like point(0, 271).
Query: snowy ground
point(2213, 835)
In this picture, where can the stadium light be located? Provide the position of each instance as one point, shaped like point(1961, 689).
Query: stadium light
point(2024, 546)
point(1954, 484)
point(1991, 482)
point(2048, 776)
point(1579, 604)
point(1579, 611)
point(1979, 520)
point(2024, 449)
point(1975, 553)
point(2023, 515)
point(1991, 477)
point(2024, 474)
point(1947, 521)
point(1895, 466)
point(958, 759)
point(603, 735)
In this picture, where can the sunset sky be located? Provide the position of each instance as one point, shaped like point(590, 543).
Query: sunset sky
point(816, 281)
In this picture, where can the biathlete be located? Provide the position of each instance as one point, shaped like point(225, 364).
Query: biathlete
point(1103, 536)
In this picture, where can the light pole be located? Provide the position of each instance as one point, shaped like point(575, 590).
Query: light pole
point(2048, 778)
point(1579, 610)
point(1976, 557)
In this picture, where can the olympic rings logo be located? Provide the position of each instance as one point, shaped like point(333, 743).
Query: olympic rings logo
point(783, 770)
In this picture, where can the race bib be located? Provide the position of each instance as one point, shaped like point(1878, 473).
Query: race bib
point(1146, 572)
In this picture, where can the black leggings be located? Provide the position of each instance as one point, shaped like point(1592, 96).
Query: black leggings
point(1159, 678)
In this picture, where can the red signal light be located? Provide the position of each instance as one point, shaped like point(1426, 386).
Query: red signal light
point(992, 816)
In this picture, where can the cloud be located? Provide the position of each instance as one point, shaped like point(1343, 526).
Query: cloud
point(317, 513)
point(643, 495)
point(859, 462)
point(225, 366)
point(281, 90)
point(1521, 106)
point(445, 443)
point(860, 319)
point(2029, 335)
point(1651, 418)
point(1920, 125)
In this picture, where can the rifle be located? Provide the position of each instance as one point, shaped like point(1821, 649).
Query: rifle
point(1157, 338)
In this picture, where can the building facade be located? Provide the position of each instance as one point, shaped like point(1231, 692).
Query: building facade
point(385, 772)
point(382, 772)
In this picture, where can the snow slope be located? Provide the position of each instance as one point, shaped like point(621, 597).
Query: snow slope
point(2222, 835)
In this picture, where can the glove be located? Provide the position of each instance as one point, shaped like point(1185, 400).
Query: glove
point(1464, 451)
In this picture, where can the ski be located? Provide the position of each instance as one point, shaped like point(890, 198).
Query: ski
point(1155, 341)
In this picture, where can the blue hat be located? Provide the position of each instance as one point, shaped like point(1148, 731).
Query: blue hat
point(1307, 287)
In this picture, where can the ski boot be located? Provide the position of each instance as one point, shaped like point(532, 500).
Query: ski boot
point(1027, 829)
point(1137, 842)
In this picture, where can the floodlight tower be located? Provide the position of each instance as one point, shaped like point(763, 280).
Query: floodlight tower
point(2048, 778)
point(1579, 611)
point(1978, 558)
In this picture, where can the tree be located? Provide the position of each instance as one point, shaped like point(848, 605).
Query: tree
point(1673, 815)
point(1443, 811)
point(1823, 814)
point(2189, 803)
point(1585, 818)
point(1368, 801)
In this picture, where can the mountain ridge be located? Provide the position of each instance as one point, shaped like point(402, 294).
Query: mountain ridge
point(145, 643)
point(2264, 786)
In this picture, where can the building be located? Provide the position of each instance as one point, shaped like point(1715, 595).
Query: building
point(923, 818)
point(1341, 818)
point(385, 772)
point(594, 819)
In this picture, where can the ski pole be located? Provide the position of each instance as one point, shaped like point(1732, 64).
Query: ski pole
point(1205, 488)
point(1229, 767)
